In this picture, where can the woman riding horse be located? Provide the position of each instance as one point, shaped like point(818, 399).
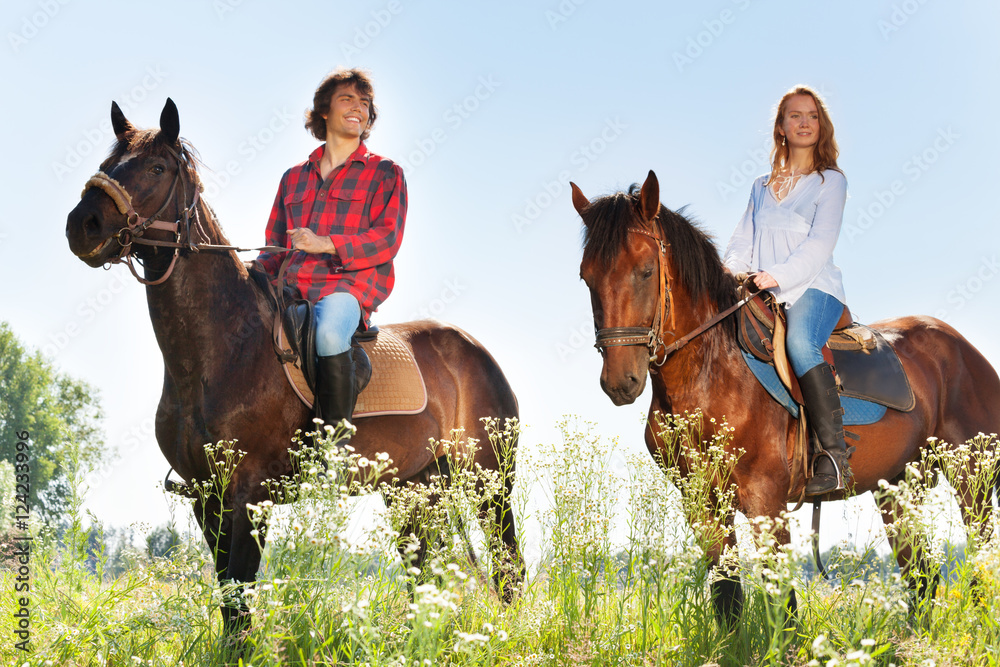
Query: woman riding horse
point(786, 237)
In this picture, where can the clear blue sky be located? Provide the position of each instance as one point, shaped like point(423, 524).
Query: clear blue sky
point(492, 108)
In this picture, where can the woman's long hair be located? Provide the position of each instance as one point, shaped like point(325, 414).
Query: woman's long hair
point(825, 152)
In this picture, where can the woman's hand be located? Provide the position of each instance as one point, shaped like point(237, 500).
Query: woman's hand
point(304, 239)
point(764, 280)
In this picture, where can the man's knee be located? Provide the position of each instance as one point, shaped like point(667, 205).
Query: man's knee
point(331, 341)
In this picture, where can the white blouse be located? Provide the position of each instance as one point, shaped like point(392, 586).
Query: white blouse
point(793, 239)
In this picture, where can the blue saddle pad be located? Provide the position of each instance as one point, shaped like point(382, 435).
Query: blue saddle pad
point(857, 411)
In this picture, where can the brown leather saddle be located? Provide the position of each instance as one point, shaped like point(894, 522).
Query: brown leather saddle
point(865, 364)
point(299, 323)
point(294, 317)
point(395, 388)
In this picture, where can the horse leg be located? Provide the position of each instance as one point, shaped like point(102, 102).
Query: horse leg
point(790, 605)
point(236, 554)
point(771, 503)
point(497, 519)
point(244, 559)
point(727, 590)
point(975, 500)
point(411, 542)
point(916, 569)
point(216, 525)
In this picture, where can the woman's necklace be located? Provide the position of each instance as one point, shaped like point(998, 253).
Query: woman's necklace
point(784, 182)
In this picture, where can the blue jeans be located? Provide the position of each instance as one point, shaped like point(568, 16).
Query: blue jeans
point(810, 322)
point(337, 318)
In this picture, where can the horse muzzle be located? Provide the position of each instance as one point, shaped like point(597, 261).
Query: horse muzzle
point(88, 239)
point(623, 387)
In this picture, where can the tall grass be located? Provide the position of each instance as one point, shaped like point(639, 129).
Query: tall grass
point(621, 578)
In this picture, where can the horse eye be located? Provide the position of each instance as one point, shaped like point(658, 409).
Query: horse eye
point(157, 169)
point(647, 274)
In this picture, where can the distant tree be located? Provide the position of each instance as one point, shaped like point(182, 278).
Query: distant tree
point(6, 488)
point(162, 541)
point(61, 417)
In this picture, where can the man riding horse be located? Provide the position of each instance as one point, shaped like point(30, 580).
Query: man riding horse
point(344, 209)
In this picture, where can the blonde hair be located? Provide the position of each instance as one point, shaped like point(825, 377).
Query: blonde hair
point(825, 152)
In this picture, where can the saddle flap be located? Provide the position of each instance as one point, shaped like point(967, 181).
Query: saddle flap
point(300, 331)
point(756, 326)
point(876, 375)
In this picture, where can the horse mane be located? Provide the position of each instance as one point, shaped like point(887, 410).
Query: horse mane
point(696, 259)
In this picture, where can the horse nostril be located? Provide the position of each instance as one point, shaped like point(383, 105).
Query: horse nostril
point(91, 225)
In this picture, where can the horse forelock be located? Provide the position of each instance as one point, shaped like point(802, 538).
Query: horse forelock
point(607, 221)
point(136, 143)
point(697, 264)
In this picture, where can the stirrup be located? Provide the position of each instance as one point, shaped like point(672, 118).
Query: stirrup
point(838, 468)
point(827, 483)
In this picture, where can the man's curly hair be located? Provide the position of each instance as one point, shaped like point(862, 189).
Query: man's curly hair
point(315, 122)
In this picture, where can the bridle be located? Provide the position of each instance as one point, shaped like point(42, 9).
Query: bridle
point(136, 225)
point(652, 336)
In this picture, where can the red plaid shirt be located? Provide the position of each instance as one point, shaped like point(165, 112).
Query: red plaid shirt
point(361, 206)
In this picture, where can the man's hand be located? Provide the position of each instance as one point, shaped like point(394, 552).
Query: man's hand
point(764, 280)
point(304, 239)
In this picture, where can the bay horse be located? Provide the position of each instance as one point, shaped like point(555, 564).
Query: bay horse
point(222, 378)
point(654, 276)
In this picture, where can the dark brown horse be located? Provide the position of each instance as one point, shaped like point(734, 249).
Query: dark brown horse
point(631, 240)
point(222, 379)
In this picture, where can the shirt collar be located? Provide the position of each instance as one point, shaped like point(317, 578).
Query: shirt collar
point(360, 154)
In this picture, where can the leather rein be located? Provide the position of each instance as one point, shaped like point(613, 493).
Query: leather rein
point(652, 336)
point(136, 225)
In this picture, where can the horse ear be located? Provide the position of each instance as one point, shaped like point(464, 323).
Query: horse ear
point(580, 201)
point(650, 197)
point(170, 122)
point(119, 123)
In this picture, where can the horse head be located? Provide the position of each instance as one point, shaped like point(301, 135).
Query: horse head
point(624, 266)
point(147, 181)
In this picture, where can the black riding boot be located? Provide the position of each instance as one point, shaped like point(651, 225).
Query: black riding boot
point(335, 389)
point(831, 471)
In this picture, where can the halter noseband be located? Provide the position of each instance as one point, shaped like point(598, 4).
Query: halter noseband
point(651, 336)
point(136, 225)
